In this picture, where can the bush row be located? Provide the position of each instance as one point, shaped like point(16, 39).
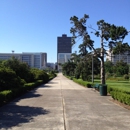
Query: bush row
point(83, 83)
point(14, 74)
point(119, 89)
point(120, 94)
point(9, 79)
point(8, 95)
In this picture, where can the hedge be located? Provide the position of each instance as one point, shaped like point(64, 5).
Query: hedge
point(120, 94)
point(5, 96)
point(81, 82)
point(8, 95)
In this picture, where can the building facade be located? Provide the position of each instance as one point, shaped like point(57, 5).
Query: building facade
point(51, 65)
point(36, 60)
point(125, 57)
point(63, 50)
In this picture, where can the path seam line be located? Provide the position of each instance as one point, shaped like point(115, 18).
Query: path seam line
point(63, 104)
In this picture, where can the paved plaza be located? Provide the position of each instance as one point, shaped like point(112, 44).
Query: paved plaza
point(62, 104)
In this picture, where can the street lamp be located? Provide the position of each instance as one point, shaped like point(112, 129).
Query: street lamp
point(129, 73)
point(92, 54)
point(127, 62)
point(92, 70)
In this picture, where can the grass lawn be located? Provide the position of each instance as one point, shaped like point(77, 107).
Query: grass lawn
point(118, 84)
point(118, 89)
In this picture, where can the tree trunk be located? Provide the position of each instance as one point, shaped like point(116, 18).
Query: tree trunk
point(102, 62)
point(102, 71)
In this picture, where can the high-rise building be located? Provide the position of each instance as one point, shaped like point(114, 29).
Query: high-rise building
point(63, 50)
point(36, 60)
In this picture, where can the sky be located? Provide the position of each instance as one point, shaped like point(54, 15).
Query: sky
point(34, 25)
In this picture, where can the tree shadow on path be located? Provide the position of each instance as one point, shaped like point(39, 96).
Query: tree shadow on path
point(14, 115)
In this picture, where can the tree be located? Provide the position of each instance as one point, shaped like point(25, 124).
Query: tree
point(105, 31)
point(9, 79)
point(75, 58)
point(109, 67)
point(121, 68)
point(121, 49)
point(83, 62)
point(86, 67)
point(39, 74)
point(68, 68)
point(21, 69)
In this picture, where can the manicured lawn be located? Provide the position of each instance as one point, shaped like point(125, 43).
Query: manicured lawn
point(124, 85)
point(121, 84)
point(118, 89)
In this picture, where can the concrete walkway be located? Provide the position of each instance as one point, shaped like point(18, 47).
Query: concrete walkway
point(62, 104)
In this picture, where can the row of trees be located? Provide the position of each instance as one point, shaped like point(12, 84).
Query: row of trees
point(111, 36)
point(83, 68)
point(14, 73)
point(119, 69)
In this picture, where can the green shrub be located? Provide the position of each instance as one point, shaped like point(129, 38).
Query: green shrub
point(121, 94)
point(79, 81)
point(89, 78)
point(89, 85)
point(97, 76)
point(5, 96)
point(40, 75)
point(107, 75)
point(9, 79)
point(115, 75)
point(8, 95)
point(52, 75)
point(71, 78)
point(30, 86)
point(126, 76)
point(77, 73)
point(21, 69)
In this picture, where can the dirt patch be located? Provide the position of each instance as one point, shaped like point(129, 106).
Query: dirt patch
point(121, 104)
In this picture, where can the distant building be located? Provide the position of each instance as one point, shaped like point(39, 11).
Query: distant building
point(118, 57)
point(51, 65)
point(36, 60)
point(63, 50)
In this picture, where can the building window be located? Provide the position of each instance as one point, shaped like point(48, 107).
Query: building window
point(61, 56)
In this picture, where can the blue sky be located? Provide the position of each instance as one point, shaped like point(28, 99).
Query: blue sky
point(33, 25)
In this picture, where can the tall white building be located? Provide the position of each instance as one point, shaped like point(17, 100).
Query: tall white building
point(36, 60)
point(118, 57)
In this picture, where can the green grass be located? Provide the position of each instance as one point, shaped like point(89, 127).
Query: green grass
point(121, 84)
point(118, 89)
point(113, 82)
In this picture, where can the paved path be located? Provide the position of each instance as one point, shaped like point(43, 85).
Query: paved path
point(62, 104)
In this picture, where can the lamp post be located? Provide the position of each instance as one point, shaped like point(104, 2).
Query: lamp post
point(129, 73)
point(127, 62)
point(92, 70)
